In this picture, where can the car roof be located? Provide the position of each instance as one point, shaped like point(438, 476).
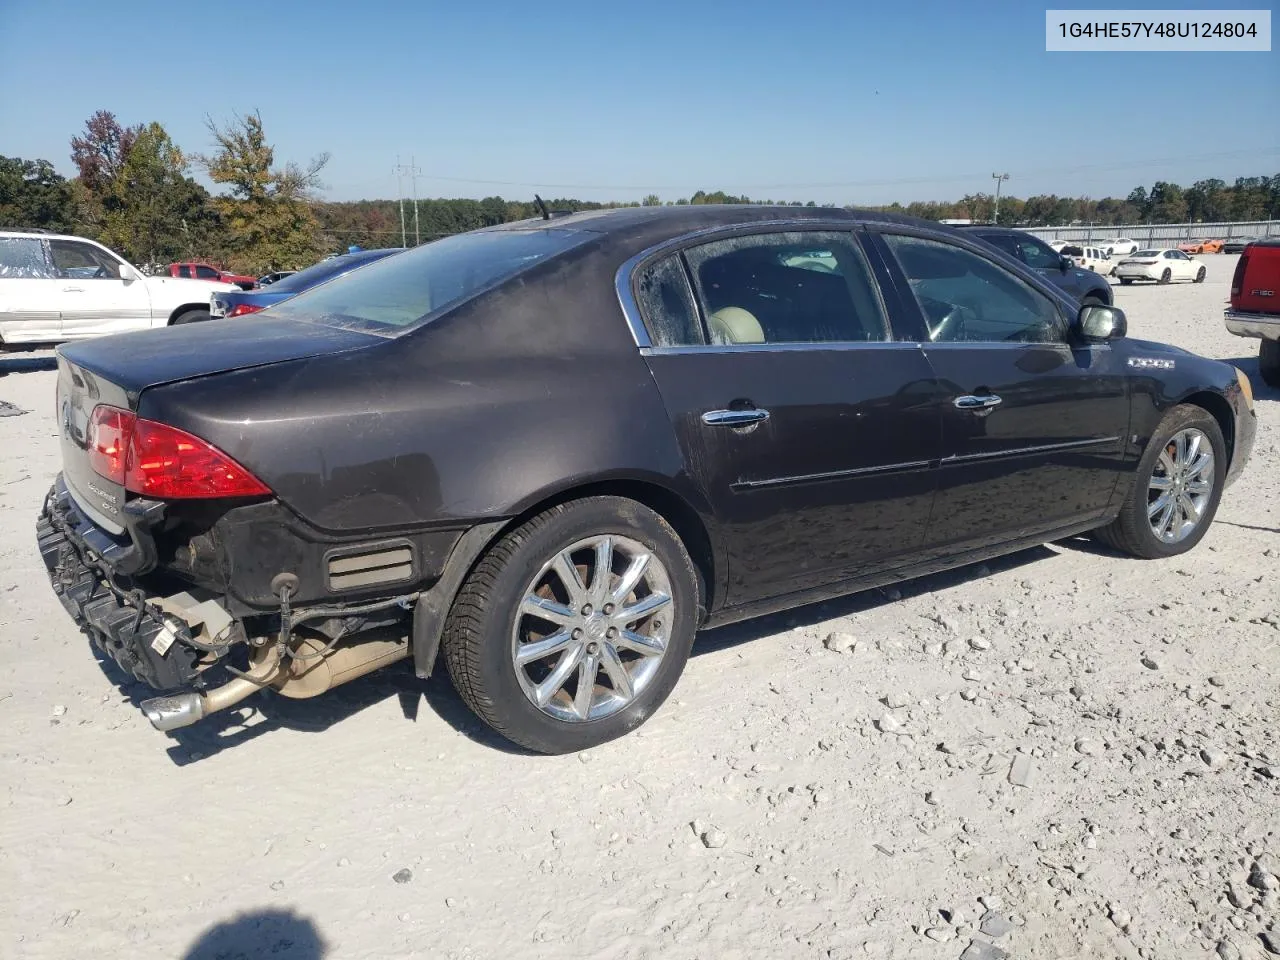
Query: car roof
point(38, 232)
point(630, 225)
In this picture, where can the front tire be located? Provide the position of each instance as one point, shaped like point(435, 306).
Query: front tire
point(599, 591)
point(190, 316)
point(1269, 362)
point(1166, 276)
point(1173, 495)
point(1199, 276)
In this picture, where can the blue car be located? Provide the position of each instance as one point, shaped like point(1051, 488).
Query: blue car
point(239, 302)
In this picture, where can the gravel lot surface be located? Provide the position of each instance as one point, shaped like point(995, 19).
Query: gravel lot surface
point(1060, 754)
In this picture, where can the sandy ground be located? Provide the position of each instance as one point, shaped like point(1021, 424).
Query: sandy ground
point(854, 803)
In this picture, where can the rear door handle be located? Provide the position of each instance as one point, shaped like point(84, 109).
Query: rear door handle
point(735, 418)
point(970, 402)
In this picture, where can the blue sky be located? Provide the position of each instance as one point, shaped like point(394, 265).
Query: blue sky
point(835, 102)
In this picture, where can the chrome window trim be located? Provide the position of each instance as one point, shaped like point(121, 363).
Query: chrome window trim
point(817, 345)
point(622, 279)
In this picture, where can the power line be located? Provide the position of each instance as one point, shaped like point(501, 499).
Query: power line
point(897, 181)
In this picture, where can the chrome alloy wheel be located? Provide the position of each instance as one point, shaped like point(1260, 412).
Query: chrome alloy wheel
point(592, 628)
point(1181, 485)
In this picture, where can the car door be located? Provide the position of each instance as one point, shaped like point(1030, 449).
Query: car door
point(1033, 422)
point(29, 310)
point(1184, 268)
point(809, 430)
point(95, 298)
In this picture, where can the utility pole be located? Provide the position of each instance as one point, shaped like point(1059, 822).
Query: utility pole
point(998, 178)
point(413, 173)
point(400, 193)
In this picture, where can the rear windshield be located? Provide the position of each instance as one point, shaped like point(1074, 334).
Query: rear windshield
point(308, 278)
point(402, 292)
point(1147, 253)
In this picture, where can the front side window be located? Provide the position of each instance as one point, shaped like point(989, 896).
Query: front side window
point(401, 292)
point(184, 271)
point(786, 288)
point(206, 273)
point(967, 298)
point(1037, 255)
point(22, 258)
point(82, 261)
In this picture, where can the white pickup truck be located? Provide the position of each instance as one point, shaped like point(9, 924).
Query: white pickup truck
point(55, 288)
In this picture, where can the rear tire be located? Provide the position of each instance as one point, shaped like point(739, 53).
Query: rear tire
point(1199, 276)
point(1269, 362)
point(1132, 531)
point(190, 316)
point(1166, 276)
point(490, 624)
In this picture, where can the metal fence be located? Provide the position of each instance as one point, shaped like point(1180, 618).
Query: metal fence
point(1162, 234)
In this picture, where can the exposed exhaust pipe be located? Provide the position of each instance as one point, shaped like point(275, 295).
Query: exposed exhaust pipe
point(312, 673)
point(184, 709)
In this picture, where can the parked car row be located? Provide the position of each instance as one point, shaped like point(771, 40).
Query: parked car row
point(767, 406)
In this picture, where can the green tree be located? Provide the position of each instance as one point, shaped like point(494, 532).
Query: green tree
point(99, 155)
point(1168, 203)
point(652, 200)
point(154, 211)
point(267, 215)
point(33, 194)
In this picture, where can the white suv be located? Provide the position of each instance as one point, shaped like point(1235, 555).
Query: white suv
point(55, 287)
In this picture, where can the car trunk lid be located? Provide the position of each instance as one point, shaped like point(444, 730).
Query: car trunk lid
point(113, 371)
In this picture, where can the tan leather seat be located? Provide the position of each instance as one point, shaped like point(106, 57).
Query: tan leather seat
point(735, 325)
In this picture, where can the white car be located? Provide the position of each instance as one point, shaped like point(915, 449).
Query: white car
point(1162, 266)
point(1122, 247)
point(1057, 245)
point(1090, 258)
point(55, 288)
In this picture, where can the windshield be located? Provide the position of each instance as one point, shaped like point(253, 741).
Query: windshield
point(327, 269)
point(399, 293)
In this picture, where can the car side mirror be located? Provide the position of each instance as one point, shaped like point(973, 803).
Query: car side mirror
point(1097, 323)
point(1066, 263)
point(127, 273)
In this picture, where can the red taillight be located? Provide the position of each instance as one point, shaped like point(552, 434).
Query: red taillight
point(109, 431)
point(1237, 279)
point(156, 460)
point(240, 309)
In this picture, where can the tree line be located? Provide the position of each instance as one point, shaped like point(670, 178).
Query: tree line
point(134, 191)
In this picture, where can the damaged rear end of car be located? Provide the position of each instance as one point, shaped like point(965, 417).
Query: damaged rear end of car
point(182, 566)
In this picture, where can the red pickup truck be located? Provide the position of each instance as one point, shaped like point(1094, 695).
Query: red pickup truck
point(1255, 304)
point(203, 271)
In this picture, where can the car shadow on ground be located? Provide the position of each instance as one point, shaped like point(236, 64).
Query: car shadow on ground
point(264, 713)
point(20, 364)
point(1249, 365)
point(722, 638)
point(260, 933)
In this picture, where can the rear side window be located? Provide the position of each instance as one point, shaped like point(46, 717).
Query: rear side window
point(786, 288)
point(402, 292)
point(22, 258)
point(666, 303)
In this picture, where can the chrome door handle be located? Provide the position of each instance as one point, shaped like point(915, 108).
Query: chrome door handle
point(734, 418)
point(970, 402)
